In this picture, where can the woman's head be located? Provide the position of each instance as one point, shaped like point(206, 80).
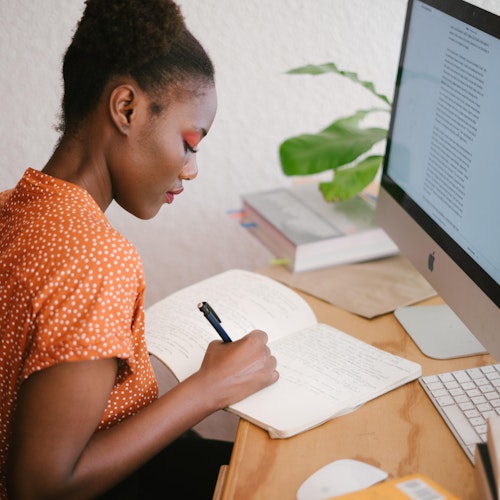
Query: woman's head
point(139, 96)
point(146, 40)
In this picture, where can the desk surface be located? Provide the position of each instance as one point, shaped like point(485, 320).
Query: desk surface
point(400, 432)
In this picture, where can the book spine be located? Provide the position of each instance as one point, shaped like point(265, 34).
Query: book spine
point(269, 235)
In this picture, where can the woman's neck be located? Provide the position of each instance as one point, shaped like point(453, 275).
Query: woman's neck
point(75, 161)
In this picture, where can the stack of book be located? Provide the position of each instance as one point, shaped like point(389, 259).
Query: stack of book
point(305, 232)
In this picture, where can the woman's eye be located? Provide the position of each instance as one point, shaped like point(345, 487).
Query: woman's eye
point(188, 148)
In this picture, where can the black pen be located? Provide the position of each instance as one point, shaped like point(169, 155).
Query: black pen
point(211, 315)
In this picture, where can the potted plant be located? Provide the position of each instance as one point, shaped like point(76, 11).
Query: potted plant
point(340, 147)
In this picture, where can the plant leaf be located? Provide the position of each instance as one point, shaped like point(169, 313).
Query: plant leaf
point(338, 144)
point(319, 69)
point(348, 182)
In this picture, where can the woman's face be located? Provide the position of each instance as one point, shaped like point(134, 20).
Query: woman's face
point(161, 153)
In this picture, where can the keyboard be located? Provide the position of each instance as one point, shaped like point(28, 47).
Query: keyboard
point(466, 399)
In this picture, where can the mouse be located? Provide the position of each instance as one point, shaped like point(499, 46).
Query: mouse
point(338, 478)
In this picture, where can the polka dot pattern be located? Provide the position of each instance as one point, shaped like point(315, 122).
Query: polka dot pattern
point(71, 289)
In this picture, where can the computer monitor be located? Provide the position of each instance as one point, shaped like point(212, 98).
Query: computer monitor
point(439, 198)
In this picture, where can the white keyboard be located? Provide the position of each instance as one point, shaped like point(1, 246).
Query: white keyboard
point(465, 399)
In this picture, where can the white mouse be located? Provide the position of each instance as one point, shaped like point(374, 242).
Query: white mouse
point(338, 478)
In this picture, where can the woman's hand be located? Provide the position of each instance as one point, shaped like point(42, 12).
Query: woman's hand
point(234, 370)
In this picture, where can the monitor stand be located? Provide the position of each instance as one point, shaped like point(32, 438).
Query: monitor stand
point(438, 332)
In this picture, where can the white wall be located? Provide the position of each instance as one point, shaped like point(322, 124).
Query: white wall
point(252, 43)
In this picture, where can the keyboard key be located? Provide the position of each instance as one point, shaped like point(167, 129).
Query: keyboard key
point(475, 373)
point(471, 413)
point(445, 401)
point(483, 407)
point(488, 369)
point(473, 393)
point(489, 413)
point(463, 399)
point(477, 400)
point(486, 388)
point(481, 430)
point(446, 377)
point(466, 406)
point(480, 381)
point(462, 376)
point(439, 392)
point(434, 386)
point(475, 421)
point(468, 385)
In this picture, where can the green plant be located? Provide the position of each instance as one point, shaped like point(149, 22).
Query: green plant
point(339, 147)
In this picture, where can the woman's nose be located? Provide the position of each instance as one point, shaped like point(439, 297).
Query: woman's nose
point(190, 169)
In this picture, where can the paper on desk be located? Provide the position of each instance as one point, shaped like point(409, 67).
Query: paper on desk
point(368, 289)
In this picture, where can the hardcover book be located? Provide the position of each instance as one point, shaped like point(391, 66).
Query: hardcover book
point(298, 226)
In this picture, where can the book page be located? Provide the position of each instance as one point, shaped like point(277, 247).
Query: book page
point(323, 373)
point(178, 333)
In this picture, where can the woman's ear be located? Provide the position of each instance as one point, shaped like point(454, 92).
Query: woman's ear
point(123, 106)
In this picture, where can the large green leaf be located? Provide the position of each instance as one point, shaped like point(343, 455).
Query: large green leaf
point(319, 69)
point(349, 181)
point(339, 144)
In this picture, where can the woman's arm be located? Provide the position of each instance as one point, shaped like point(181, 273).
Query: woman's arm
point(55, 444)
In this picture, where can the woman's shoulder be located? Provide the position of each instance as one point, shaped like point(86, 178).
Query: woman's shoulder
point(57, 223)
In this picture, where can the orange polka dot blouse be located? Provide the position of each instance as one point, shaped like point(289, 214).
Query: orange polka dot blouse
point(71, 289)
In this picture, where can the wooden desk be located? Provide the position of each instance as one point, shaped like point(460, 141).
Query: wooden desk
point(399, 432)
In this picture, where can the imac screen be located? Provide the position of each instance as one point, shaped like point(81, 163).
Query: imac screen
point(440, 191)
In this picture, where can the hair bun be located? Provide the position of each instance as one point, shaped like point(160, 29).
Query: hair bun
point(128, 33)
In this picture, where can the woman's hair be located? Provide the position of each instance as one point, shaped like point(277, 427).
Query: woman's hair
point(144, 39)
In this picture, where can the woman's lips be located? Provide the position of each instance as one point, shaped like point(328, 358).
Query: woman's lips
point(169, 195)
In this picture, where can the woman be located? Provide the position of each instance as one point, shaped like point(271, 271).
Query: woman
point(80, 414)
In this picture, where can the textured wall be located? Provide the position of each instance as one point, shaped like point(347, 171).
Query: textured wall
point(252, 43)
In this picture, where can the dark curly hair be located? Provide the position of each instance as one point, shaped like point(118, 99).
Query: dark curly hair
point(144, 39)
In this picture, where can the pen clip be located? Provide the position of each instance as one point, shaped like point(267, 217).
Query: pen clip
point(205, 308)
point(214, 320)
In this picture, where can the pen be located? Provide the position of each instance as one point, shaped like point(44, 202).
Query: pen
point(214, 320)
